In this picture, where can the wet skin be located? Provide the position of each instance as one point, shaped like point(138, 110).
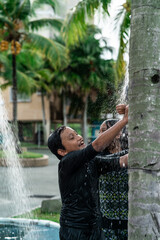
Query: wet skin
point(103, 128)
point(71, 140)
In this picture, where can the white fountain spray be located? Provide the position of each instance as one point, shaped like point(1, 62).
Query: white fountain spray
point(14, 174)
point(15, 183)
point(123, 99)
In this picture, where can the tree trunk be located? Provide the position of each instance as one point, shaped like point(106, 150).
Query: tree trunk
point(144, 121)
point(84, 121)
point(64, 108)
point(14, 98)
point(14, 89)
point(44, 118)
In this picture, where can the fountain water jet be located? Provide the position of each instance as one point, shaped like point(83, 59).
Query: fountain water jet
point(14, 175)
point(124, 90)
point(20, 229)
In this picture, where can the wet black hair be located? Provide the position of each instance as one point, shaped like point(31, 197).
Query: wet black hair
point(124, 139)
point(110, 122)
point(124, 136)
point(54, 141)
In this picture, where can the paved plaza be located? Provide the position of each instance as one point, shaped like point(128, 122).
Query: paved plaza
point(40, 182)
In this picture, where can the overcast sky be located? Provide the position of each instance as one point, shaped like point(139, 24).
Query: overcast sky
point(107, 26)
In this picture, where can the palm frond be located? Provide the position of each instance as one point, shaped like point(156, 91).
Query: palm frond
point(45, 74)
point(5, 85)
point(119, 16)
point(4, 59)
point(55, 52)
point(124, 38)
point(105, 5)
point(30, 58)
point(75, 26)
point(39, 3)
point(25, 83)
point(5, 20)
point(51, 22)
point(23, 10)
point(8, 7)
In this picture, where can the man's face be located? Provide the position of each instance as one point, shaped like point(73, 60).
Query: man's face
point(71, 140)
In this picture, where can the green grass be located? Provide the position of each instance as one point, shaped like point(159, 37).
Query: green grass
point(31, 145)
point(25, 155)
point(30, 155)
point(36, 214)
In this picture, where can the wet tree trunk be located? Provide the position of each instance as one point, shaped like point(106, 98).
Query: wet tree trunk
point(144, 121)
point(14, 98)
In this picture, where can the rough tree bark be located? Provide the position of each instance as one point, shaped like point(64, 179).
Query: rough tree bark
point(144, 121)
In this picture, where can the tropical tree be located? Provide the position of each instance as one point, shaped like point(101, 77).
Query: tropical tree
point(123, 18)
point(17, 19)
point(42, 76)
point(87, 72)
point(105, 101)
point(144, 119)
point(32, 76)
point(75, 26)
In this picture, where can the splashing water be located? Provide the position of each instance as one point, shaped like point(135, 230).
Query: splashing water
point(16, 188)
point(14, 175)
point(123, 99)
point(124, 90)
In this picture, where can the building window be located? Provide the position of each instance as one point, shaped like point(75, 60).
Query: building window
point(39, 92)
point(21, 97)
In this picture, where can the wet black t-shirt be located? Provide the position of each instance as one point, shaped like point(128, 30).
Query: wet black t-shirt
point(79, 172)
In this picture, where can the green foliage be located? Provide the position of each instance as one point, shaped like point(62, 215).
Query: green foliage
point(106, 100)
point(87, 74)
point(125, 15)
point(16, 24)
point(23, 10)
point(25, 83)
point(75, 26)
point(15, 27)
point(52, 50)
point(39, 23)
point(39, 3)
point(86, 61)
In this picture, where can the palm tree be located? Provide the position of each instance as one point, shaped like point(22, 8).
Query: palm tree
point(144, 137)
point(123, 17)
point(86, 72)
point(16, 23)
point(75, 27)
point(32, 75)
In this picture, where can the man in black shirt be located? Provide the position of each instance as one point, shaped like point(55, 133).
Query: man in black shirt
point(79, 171)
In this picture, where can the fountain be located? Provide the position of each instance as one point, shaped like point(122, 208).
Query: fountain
point(123, 93)
point(11, 228)
point(27, 229)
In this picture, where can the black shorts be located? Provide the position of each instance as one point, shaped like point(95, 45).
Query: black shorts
point(67, 233)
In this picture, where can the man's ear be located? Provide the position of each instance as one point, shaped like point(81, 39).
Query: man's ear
point(61, 152)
